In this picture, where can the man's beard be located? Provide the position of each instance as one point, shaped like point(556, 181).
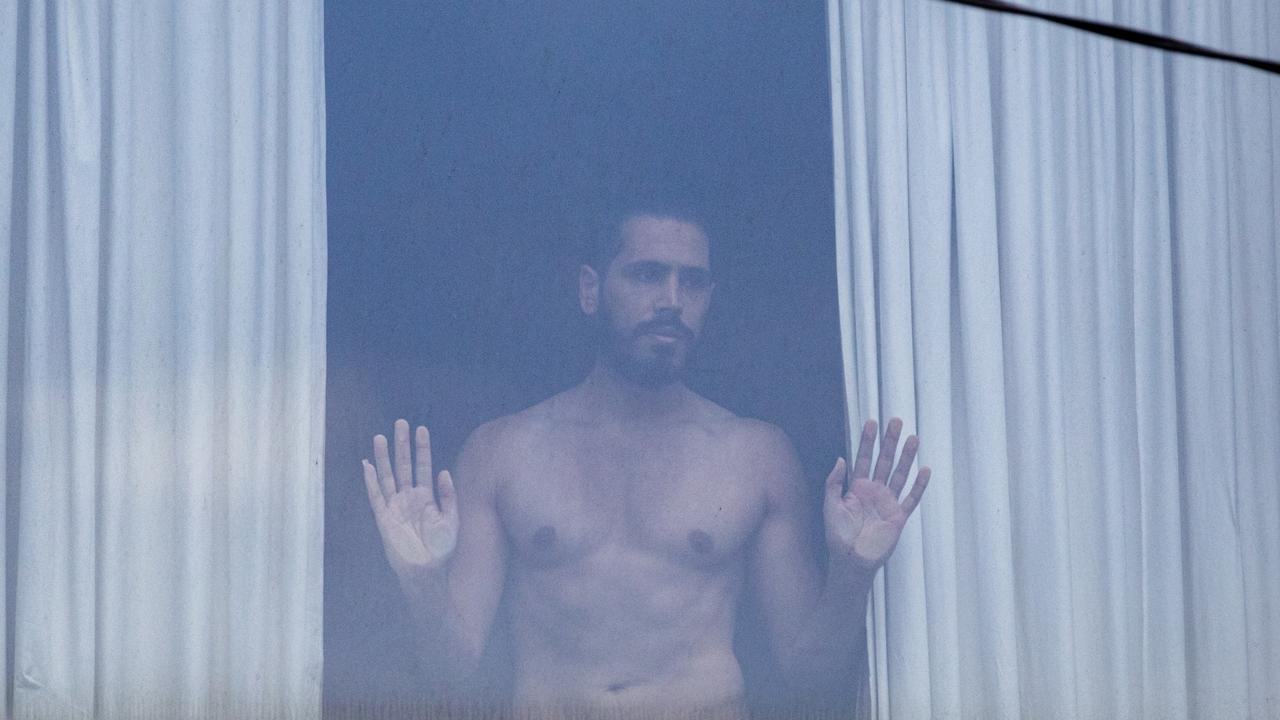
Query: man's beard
point(618, 351)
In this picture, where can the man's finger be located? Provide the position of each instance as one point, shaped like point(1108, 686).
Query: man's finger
point(917, 490)
point(899, 478)
point(862, 463)
point(376, 500)
point(404, 466)
point(386, 478)
point(888, 448)
point(422, 457)
point(446, 495)
point(835, 480)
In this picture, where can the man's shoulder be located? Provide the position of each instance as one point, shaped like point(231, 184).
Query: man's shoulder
point(513, 429)
point(492, 449)
point(497, 433)
point(740, 427)
point(747, 435)
point(767, 454)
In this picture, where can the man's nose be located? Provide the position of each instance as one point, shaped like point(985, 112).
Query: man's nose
point(670, 298)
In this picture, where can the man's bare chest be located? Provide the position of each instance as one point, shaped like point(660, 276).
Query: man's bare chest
point(584, 497)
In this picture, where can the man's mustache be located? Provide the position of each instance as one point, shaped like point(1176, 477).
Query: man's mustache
point(672, 327)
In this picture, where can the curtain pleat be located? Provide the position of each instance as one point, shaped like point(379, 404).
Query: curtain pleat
point(171, 367)
point(1057, 263)
point(8, 146)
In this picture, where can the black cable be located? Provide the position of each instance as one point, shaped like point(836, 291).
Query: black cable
point(1123, 33)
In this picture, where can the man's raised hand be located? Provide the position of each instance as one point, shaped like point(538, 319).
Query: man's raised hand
point(418, 523)
point(863, 517)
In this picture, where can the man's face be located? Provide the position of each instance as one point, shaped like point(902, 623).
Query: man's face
point(654, 297)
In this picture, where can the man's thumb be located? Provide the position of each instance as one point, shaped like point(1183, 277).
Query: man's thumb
point(835, 480)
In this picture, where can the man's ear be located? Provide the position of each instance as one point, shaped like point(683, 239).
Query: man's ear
point(588, 290)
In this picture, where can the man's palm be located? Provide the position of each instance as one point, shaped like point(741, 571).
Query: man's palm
point(418, 523)
point(414, 529)
point(864, 521)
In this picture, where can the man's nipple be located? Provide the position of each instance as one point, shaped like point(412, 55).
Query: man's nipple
point(544, 537)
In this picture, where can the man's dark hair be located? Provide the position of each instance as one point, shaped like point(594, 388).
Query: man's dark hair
point(605, 241)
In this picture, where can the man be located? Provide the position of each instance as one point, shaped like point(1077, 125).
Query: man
point(628, 515)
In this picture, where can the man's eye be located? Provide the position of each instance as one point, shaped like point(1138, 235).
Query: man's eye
point(696, 281)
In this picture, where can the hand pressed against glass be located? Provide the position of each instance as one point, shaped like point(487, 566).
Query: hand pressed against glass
point(418, 523)
point(863, 515)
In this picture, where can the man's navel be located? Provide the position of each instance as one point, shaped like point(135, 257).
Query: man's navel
point(701, 542)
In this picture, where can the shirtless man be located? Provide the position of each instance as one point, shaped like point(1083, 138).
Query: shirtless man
point(628, 515)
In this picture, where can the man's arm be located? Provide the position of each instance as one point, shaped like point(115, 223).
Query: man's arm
point(817, 628)
point(816, 622)
point(453, 588)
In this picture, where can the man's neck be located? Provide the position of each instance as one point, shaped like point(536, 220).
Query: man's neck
point(610, 395)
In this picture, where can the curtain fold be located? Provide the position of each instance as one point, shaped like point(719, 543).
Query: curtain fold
point(166, 293)
point(1057, 262)
point(8, 99)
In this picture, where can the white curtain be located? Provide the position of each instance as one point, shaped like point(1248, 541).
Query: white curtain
point(163, 276)
point(1057, 259)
